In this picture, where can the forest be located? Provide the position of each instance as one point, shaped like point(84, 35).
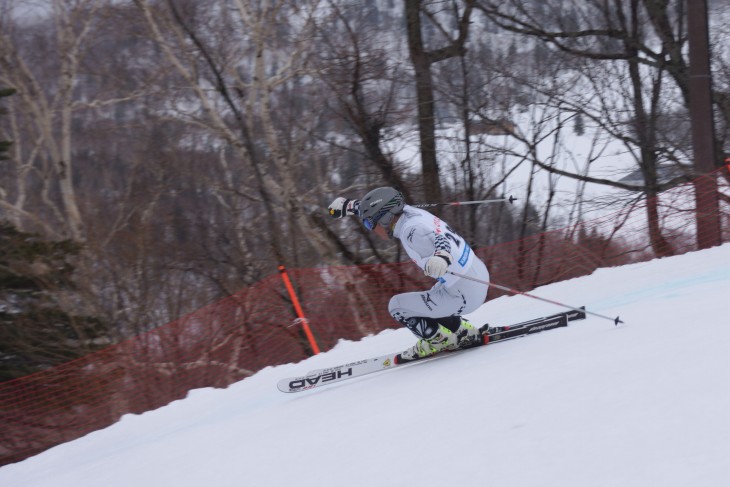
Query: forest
point(158, 155)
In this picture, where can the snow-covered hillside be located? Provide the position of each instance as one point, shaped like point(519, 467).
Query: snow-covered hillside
point(641, 404)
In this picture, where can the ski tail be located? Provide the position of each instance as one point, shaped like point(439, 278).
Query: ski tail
point(531, 327)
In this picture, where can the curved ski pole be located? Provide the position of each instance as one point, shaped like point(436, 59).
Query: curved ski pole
point(615, 320)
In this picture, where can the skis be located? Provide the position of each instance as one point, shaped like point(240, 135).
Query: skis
point(322, 377)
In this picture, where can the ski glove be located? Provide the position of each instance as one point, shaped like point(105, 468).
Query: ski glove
point(342, 207)
point(437, 265)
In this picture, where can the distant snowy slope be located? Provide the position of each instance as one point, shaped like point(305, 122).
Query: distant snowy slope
point(641, 404)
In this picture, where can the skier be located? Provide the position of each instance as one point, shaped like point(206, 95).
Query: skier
point(435, 315)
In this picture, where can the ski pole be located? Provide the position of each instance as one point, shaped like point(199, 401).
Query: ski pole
point(511, 199)
point(615, 320)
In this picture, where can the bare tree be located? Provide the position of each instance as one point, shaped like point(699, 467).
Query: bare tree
point(237, 65)
point(358, 65)
point(51, 111)
point(617, 42)
point(423, 56)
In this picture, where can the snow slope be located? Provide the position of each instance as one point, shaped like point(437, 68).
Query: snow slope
point(641, 404)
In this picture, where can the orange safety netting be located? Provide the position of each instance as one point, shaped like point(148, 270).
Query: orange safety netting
point(257, 327)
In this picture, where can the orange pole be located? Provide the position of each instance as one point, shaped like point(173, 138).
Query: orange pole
point(298, 309)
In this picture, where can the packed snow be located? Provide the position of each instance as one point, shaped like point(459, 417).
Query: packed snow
point(641, 404)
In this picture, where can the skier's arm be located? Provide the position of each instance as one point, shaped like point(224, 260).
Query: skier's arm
point(430, 244)
point(437, 265)
point(342, 207)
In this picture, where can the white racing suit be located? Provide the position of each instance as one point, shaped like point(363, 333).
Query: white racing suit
point(421, 234)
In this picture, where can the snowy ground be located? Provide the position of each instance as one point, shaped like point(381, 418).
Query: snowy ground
point(641, 404)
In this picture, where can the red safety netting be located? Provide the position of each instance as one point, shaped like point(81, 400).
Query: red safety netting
point(257, 327)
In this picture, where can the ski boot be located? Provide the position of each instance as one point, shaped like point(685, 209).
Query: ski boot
point(443, 339)
point(466, 335)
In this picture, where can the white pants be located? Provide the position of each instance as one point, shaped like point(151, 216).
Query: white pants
point(419, 311)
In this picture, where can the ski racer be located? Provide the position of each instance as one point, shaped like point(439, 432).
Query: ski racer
point(434, 315)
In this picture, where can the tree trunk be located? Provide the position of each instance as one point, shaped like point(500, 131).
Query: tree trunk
point(660, 245)
point(424, 100)
point(703, 127)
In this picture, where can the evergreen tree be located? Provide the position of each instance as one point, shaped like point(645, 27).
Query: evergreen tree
point(37, 330)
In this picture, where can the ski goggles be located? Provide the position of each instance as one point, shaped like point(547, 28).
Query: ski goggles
point(371, 222)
